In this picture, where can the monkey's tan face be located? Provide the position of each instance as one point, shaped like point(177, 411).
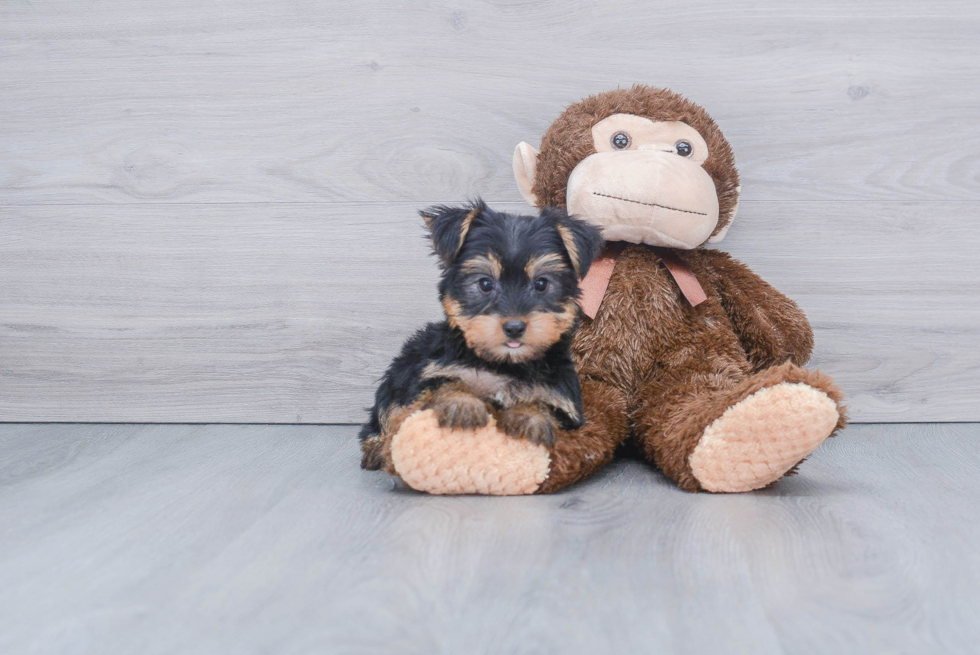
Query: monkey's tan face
point(645, 183)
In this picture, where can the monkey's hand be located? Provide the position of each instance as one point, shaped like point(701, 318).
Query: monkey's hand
point(771, 327)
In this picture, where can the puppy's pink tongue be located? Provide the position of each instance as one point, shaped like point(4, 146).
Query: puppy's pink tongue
point(513, 344)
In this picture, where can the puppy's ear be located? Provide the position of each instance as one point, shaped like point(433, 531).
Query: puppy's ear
point(448, 227)
point(583, 242)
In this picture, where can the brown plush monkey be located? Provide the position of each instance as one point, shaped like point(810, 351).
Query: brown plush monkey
point(684, 350)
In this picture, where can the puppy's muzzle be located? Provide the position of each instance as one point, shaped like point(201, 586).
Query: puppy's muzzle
point(514, 329)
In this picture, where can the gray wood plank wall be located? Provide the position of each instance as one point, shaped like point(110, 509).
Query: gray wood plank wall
point(207, 210)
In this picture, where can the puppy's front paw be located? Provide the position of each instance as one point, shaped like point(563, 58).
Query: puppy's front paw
point(461, 412)
point(531, 423)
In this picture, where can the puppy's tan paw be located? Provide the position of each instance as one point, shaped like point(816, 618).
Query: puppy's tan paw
point(532, 423)
point(460, 412)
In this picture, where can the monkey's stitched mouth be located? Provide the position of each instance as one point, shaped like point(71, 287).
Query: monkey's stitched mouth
point(649, 204)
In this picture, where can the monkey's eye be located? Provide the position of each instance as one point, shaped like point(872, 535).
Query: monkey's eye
point(485, 284)
point(620, 140)
point(684, 149)
point(541, 284)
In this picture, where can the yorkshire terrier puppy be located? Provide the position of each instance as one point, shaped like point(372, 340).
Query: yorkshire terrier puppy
point(509, 288)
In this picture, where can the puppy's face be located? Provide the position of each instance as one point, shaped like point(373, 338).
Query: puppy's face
point(512, 304)
point(511, 286)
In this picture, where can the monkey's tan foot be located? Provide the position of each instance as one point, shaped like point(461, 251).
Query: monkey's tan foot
point(758, 439)
point(439, 460)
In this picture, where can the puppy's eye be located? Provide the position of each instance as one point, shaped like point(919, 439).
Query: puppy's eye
point(620, 140)
point(485, 284)
point(541, 284)
point(684, 149)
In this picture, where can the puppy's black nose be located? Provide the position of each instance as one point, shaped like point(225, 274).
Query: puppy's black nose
point(514, 328)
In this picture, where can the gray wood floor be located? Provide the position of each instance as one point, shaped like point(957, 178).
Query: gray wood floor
point(249, 539)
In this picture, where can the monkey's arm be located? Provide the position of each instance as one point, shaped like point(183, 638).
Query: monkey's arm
point(770, 326)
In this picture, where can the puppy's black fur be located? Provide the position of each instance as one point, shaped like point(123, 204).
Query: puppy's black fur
point(509, 287)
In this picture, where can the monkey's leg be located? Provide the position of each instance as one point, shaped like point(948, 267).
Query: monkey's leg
point(579, 454)
point(487, 461)
point(712, 434)
point(451, 404)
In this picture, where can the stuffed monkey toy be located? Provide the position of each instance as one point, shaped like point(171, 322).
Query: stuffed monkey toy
point(682, 349)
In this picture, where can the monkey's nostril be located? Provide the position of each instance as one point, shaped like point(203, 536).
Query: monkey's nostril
point(514, 328)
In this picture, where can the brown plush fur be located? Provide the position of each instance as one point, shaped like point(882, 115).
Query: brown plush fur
point(651, 361)
point(577, 455)
point(655, 370)
point(569, 140)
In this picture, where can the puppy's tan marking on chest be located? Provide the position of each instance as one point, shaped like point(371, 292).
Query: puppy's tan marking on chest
point(484, 384)
point(500, 389)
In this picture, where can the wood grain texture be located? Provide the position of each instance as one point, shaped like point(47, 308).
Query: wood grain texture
point(138, 101)
point(207, 209)
point(257, 539)
point(239, 313)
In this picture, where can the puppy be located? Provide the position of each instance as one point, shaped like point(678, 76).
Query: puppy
point(509, 288)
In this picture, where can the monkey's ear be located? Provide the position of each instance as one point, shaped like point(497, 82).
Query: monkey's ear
point(448, 227)
point(525, 166)
point(721, 235)
point(583, 242)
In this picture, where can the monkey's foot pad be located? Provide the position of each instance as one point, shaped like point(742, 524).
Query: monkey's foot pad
point(757, 440)
point(483, 461)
